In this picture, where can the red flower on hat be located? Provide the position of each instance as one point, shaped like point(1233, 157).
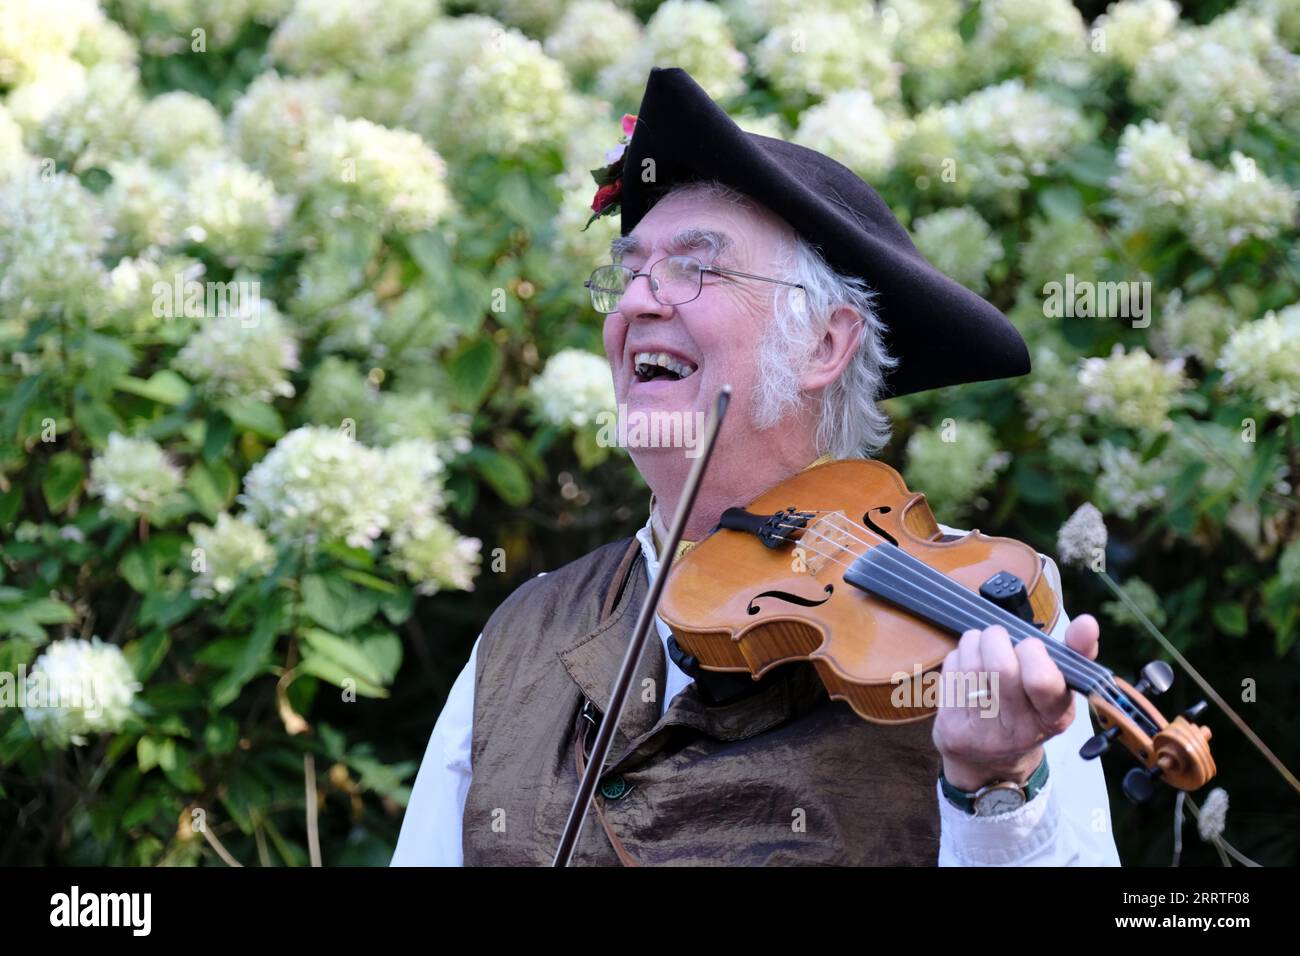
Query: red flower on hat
point(609, 178)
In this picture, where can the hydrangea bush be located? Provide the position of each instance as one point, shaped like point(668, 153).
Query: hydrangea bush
point(298, 379)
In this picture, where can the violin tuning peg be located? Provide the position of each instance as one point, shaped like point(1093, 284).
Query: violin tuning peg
point(1139, 783)
point(1099, 744)
point(1194, 712)
point(1157, 677)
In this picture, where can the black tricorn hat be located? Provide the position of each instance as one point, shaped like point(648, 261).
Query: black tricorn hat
point(941, 332)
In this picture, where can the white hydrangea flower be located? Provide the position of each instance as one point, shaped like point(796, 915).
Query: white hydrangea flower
point(317, 485)
point(691, 34)
point(928, 42)
point(484, 89)
point(52, 233)
point(431, 554)
point(231, 548)
point(1197, 327)
point(354, 34)
point(1082, 536)
point(233, 210)
point(1158, 179)
point(992, 141)
point(102, 40)
point(134, 477)
point(1132, 389)
point(818, 52)
point(146, 207)
point(1214, 815)
point(35, 32)
point(78, 688)
point(1053, 394)
point(79, 116)
point(1059, 245)
point(388, 177)
point(1026, 36)
point(246, 354)
point(1262, 361)
point(1127, 484)
point(274, 125)
point(534, 17)
point(574, 388)
point(1131, 29)
point(591, 35)
point(1233, 206)
point(172, 127)
point(960, 244)
point(954, 472)
point(14, 158)
point(751, 20)
point(128, 304)
point(851, 127)
point(165, 27)
point(1202, 86)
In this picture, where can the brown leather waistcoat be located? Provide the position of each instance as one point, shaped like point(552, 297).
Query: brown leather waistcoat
point(784, 776)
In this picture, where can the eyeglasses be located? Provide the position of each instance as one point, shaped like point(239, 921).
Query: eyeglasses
point(674, 280)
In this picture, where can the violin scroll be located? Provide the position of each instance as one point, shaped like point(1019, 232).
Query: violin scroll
point(1177, 753)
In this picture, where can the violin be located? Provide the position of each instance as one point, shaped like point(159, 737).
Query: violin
point(843, 566)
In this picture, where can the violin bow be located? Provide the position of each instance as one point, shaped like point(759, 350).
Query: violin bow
point(614, 711)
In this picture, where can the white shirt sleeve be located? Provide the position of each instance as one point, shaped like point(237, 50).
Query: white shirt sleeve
point(1068, 821)
point(431, 829)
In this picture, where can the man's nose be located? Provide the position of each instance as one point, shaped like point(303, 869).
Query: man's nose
point(638, 300)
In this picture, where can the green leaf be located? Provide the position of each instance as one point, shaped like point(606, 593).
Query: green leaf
point(213, 487)
point(370, 581)
point(137, 569)
point(1230, 619)
point(256, 651)
point(63, 476)
point(504, 475)
point(331, 602)
point(474, 368)
point(254, 416)
point(337, 659)
point(165, 387)
point(147, 653)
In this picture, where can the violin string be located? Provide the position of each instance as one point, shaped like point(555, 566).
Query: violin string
point(1086, 673)
point(966, 594)
point(977, 608)
point(1083, 679)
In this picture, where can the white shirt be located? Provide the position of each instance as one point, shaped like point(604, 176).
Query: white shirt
point(1066, 824)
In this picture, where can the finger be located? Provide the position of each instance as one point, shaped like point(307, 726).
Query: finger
point(968, 651)
point(1084, 635)
point(1044, 685)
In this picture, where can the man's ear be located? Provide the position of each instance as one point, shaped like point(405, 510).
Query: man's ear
point(835, 350)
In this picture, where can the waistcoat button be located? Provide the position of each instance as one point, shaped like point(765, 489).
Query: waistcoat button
point(613, 788)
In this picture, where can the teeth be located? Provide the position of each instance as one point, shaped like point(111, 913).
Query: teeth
point(644, 361)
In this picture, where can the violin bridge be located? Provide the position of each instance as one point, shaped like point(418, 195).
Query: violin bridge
point(827, 539)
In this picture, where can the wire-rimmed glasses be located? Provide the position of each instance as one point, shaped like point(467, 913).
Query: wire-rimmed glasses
point(674, 280)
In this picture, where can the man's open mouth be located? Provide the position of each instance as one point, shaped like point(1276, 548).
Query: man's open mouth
point(656, 365)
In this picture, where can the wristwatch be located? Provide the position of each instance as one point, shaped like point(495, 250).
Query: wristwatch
point(998, 797)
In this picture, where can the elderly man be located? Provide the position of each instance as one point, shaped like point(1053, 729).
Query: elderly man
point(775, 270)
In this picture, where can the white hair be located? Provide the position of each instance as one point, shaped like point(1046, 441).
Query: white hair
point(851, 423)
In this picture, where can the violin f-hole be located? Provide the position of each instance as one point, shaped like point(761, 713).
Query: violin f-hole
point(791, 598)
point(867, 520)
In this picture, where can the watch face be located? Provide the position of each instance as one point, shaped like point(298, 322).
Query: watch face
point(999, 800)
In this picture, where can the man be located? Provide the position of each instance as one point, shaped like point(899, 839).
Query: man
point(804, 293)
